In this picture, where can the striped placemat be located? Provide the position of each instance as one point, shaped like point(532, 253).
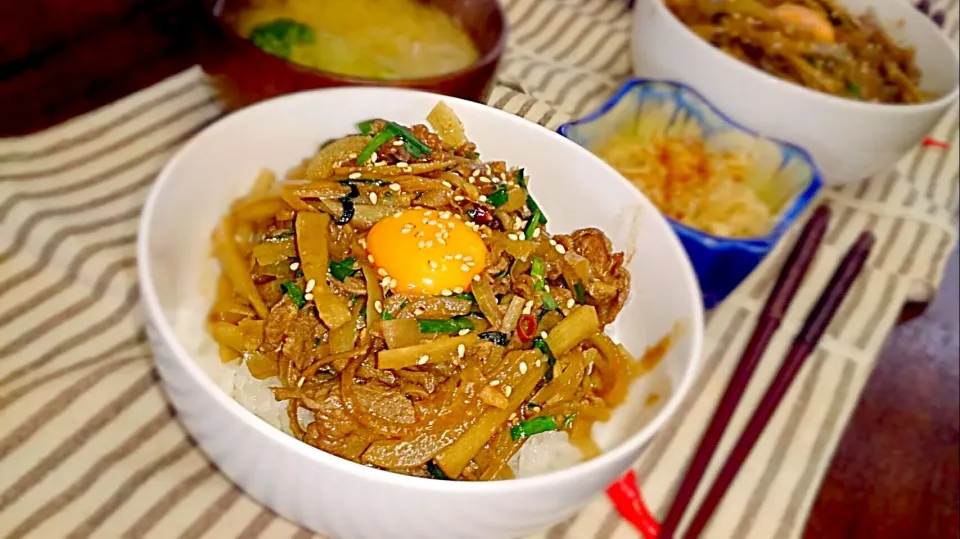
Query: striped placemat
point(90, 448)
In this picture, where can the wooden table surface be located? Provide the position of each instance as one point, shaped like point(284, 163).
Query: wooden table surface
point(896, 473)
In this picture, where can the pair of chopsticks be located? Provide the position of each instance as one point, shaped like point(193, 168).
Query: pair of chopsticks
point(788, 282)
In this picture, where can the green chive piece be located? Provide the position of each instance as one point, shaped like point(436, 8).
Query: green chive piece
point(343, 268)
point(292, 289)
point(521, 179)
point(538, 270)
point(529, 427)
point(435, 471)
point(450, 325)
point(499, 197)
point(542, 345)
point(580, 292)
point(465, 295)
point(549, 303)
point(412, 143)
point(532, 225)
point(387, 316)
point(379, 140)
point(365, 127)
point(532, 204)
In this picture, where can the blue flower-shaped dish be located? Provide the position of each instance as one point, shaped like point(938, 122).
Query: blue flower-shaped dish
point(783, 175)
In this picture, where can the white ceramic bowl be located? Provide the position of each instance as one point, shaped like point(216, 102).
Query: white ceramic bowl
point(338, 497)
point(849, 140)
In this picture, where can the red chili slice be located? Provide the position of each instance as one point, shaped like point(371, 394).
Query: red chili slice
point(526, 327)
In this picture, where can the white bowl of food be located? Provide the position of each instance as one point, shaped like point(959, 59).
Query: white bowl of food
point(414, 314)
point(855, 122)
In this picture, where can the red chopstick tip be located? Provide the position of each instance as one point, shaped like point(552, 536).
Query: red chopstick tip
point(931, 142)
point(625, 496)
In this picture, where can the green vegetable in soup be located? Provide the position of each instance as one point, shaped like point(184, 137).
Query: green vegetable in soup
point(279, 36)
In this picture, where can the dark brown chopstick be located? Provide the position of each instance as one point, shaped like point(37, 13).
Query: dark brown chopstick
point(804, 343)
point(788, 282)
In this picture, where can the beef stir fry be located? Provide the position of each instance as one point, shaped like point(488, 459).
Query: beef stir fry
point(406, 301)
point(813, 43)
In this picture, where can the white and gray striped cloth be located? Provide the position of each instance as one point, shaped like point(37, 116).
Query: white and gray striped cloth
point(90, 448)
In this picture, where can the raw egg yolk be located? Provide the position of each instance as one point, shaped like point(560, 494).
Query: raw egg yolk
point(426, 251)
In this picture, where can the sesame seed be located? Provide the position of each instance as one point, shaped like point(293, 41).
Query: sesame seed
point(464, 267)
point(571, 303)
point(395, 187)
point(461, 350)
point(382, 272)
point(560, 249)
point(513, 236)
point(403, 164)
point(494, 383)
point(503, 176)
point(446, 184)
point(310, 284)
point(484, 179)
point(543, 334)
point(373, 157)
point(398, 214)
point(418, 311)
point(538, 363)
point(363, 242)
point(393, 283)
point(475, 173)
point(420, 244)
point(447, 257)
point(463, 332)
point(507, 390)
point(553, 241)
point(590, 368)
point(442, 241)
point(405, 231)
point(398, 142)
point(308, 297)
point(528, 304)
point(423, 359)
point(301, 381)
point(458, 256)
point(451, 226)
point(370, 258)
point(385, 283)
point(294, 266)
point(378, 306)
point(373, 198)
point(432, 264)
point(476, 278)
point(429, 243)
point(432, 222)
point(471, 180)
point(445, 215)
point(467, 258)
point(517, 223)
point(483, 198)
point(355, 176)
point(446, 292)
point(512, 416)
point(523, 367)
point(546, 288)
point(458, 198)
point(458, 290)
point(536, 231)
point(428, 213)
point(352, 156)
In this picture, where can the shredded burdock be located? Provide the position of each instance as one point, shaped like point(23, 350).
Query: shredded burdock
point(377, 367)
